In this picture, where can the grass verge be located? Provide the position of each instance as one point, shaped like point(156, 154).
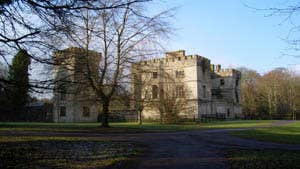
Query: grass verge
point(128, 126)
point(263, 159)
point(289, 134)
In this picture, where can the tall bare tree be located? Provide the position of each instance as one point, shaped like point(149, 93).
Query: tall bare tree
point(160, 91)
point(116, 33)
point(39, 26)
point(288, 14)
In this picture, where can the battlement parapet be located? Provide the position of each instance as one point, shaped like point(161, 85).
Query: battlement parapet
point(177, 56)
point(223, 72)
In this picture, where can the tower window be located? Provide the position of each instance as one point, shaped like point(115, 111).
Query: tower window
point(228, 112)
point(237, 97)
point(154, 75)
point(179, 74)
point(85, 111)
point(63, 93)
point(236, 82)
point(222, 82)
point(154, 92)
point(204, 91)
point(179, 91)
point(62, 112)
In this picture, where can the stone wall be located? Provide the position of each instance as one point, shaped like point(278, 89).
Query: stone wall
point(201, 78)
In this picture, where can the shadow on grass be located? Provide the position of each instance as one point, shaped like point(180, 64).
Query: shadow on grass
point(128, 127)
point(64, 153)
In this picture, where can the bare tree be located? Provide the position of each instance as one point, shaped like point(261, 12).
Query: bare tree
point(288, 11)
point(117, 34)
point(160, 91)
point(40, 26)
point(249, 92)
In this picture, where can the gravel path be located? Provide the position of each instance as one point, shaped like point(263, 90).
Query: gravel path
point(182, 150)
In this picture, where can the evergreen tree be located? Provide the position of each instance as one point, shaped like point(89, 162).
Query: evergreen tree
point(19, 84)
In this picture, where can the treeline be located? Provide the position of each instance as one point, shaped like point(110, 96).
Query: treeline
point(274, 95)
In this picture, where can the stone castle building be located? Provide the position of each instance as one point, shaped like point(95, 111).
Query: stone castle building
point(209, 90)
point(74, 100)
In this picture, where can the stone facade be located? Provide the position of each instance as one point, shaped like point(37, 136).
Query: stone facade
point(212, 92)
point(74, 99)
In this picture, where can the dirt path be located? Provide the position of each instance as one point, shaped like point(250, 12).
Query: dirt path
point(182, 150)
point(198, 149)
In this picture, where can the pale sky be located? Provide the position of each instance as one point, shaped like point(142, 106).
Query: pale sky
point(232, 34)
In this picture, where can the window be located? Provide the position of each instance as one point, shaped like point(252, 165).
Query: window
point(203, 66)
point(63, 93)
point(237, 82)
point(179, 74)
point(154, 75)
point(179, 91)
point(228, 112)
point(85, 111)
point(154, 92)
point(222, 82)
point(237, 97)
point(62, 112)
point(204, 91)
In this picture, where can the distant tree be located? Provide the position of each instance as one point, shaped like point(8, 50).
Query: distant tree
point(272, 95)
point(18, 78)
point(3, 94)
point(250, 95)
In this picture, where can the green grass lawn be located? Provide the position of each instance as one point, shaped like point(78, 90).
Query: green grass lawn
point(64, 152)
point(128, 126)
point(263, 159)
point(282, 134)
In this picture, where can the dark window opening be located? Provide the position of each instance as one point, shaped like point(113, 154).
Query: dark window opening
point(222, 82)
point(237, 97)
point(85, 111)
point(62, 112)
point(179, 74)
point(203, 65)
point(154, 92)
point(204, 91)
point(154, 75)
point(63, 93)
point(179, 91)
point(236, 82)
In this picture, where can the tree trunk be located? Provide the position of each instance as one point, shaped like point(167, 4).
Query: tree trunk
point(140, 118)
point(105, 116)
